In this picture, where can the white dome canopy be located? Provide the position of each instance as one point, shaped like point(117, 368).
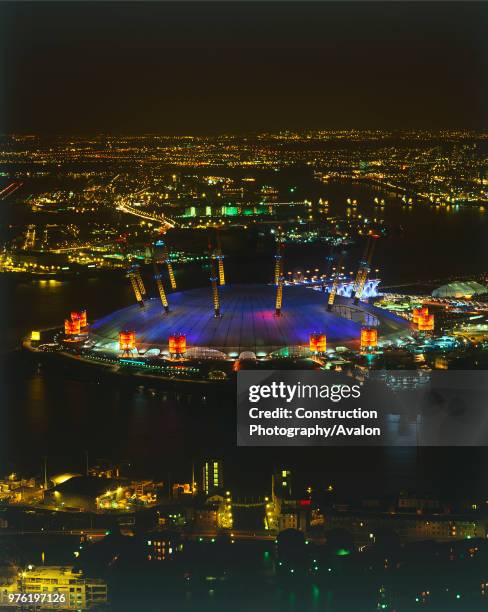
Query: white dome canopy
point(460, 289)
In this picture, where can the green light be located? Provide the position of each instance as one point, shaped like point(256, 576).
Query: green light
point(458, 596)
point(315, 592)
point(343, 552)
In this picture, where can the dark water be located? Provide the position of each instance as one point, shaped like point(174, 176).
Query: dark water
point(46, 412)
point(425, 241)
point(161, 433)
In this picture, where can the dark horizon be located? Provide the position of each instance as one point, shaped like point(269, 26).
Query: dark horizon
point(210, 68)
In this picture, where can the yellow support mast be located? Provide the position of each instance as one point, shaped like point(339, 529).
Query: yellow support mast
point(135, 286)
point(278, 276)
point(162, 292)
point(279, 297)
point(277, 272)
point(335, 284)
point(220, 260)
point(159, 284)
point(364, 268)
point(172, 279)
point(137, 274)
point(215, 289)
point(169, 265)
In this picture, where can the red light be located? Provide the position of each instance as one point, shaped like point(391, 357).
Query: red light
point(318, 343)
point(369, 337)
point(426, 322)
point(177, 344)
point(127, 340)
point(419, 312)
point(80, 316)
point(71, 328)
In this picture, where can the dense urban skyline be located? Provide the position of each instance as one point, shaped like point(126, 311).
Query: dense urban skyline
point(214, 67)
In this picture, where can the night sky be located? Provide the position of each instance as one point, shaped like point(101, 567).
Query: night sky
point(186, 67)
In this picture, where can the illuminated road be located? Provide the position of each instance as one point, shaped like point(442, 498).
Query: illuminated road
point(127, 208)
point(89, 533)
point(234, 535)
point(124, 206)
point(9, 190)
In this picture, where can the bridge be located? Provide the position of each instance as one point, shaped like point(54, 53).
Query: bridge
point(124, 206)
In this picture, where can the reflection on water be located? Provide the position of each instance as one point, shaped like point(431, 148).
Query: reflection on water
point(162, 433)
point(434, 241)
